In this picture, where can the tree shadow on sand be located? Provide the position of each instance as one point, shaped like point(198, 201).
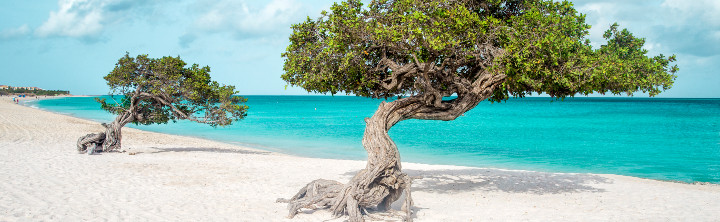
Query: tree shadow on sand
point(209, 150)
point(463, 180)
point(448, 181)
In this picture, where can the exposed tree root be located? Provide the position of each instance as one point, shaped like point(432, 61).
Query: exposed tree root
point(350, 199)
point(90, 143)
point(316, 194)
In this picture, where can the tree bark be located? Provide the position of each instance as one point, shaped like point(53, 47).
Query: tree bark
point(381, 182)
point(378, 185)
point(90, 142)
point(113, 132)
point(110, 140)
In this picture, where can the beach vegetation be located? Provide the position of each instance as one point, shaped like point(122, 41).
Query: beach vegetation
point(159, 90)
point(437, 59)
point(33, 92)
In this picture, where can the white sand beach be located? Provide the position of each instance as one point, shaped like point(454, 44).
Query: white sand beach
point(176, 178)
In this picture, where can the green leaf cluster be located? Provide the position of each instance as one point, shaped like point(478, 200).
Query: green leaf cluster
point(541, 46)
point(159, 90)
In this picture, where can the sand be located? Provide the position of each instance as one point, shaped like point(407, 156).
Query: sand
point(176, 178)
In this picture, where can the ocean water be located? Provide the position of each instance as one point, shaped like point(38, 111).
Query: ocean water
point(666, 139)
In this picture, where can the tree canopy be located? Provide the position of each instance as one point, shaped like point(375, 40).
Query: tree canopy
point(426, 51)
point(439, 48)
point(164, 89)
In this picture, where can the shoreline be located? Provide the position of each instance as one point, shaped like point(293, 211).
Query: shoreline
point(250, 146)
point(175, 177)
point(285, 152)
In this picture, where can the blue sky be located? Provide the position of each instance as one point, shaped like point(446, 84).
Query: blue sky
point(72, 44)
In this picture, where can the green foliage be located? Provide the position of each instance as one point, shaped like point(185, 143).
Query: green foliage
point(539, 45)
point(164, 89)
point(34, 92)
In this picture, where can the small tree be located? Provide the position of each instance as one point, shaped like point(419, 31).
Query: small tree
point(426, 52)
point(162, 90)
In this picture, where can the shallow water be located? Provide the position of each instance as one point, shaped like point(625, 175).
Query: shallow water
point(667, 139)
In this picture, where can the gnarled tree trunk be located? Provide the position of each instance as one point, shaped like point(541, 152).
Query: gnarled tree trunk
point(110, 140)
point(113, 133)
point(382, 182)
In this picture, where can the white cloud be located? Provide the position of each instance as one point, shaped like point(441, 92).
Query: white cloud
point(75, 18)
point(651, 46)
point(707, 11)
point(669, 26)
point(240, 17)
point(601, 23)
point(14, 32)
point(243, 20)
point(88, 18)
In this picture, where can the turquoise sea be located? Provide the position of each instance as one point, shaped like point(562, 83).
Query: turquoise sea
point(657, 138)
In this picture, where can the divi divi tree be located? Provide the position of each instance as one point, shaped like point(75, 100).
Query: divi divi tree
point(440, 58)
point(154, 91)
